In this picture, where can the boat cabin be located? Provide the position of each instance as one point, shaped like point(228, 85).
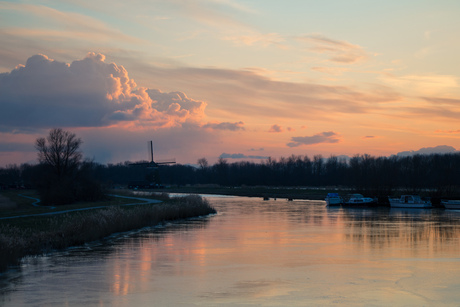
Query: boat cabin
point(410, 199)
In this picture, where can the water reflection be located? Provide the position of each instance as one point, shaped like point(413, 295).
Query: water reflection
point(256, 252)
point(402, 226)
point(135, 263)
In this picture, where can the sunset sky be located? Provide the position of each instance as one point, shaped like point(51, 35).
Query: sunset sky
point(243, 80)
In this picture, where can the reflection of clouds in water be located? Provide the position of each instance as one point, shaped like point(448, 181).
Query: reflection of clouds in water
point(256, 252)
point(401, 228)
point(247, 289)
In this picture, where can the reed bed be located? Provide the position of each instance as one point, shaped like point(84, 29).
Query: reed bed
point(76, 228)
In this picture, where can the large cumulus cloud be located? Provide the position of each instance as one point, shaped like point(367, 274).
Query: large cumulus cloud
point(90, 93)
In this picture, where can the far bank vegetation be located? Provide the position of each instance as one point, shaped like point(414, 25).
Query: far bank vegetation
point(434, 174)
point(63, 176)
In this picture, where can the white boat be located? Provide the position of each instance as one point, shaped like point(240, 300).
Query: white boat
point(451, 204)
point(358, 200)
point(333, 199)
point(409, 201)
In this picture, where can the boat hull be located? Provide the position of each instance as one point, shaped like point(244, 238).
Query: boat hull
point(333, 199)
point(452, 207)
point(415, 206)
point(409, 201)
point(333, 202)
point(452, 204)
point(360, 204)
point(357, 200)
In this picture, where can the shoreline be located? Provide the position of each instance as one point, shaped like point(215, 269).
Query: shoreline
point(146, 201)
point(263, 192)
point(300, 193)
point(36, 235)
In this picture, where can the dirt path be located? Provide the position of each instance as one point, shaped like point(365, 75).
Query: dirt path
point(139, 201)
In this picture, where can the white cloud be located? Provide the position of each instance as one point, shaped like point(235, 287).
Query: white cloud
point(441, 149)
point(56, 24)
point(253, 38)
point(426, 84)
point(339, 51)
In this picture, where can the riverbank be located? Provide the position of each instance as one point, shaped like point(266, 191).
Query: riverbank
point(38, 234)
point(302, 193)
point(257, 191)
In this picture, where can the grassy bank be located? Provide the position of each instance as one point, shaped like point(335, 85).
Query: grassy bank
point(23, 202)
point(35, 235)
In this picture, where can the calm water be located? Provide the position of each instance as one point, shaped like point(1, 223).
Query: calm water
point(257, 253)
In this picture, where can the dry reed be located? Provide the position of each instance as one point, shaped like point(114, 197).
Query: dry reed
point(74, 229)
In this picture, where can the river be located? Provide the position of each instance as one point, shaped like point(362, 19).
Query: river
point(257, 253)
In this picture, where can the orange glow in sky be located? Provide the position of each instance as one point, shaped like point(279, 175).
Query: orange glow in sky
point(229, 78)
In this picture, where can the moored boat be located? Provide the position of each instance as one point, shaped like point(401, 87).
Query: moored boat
point(333, 199)
point(451, 204)
point(358, 200)
point(409, 201)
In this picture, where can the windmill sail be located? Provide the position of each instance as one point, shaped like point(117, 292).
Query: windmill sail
point(150, 149)
point(152, 163)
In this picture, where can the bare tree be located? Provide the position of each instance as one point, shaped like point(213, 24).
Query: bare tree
point(60, 150)
point(203, 163)
point(64, 177)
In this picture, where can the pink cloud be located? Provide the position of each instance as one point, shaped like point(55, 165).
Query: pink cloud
point(87, 93)
point(236, 92)
point(338, 51)
point(442, 101)
point(323, 137)
point(225, 126)
point(448, 131)
point(276, 129)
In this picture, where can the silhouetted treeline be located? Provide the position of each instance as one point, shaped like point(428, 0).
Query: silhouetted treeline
point(440, 173)
point(81, 185)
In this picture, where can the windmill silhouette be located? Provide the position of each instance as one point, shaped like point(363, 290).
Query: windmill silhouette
point(151, 165)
